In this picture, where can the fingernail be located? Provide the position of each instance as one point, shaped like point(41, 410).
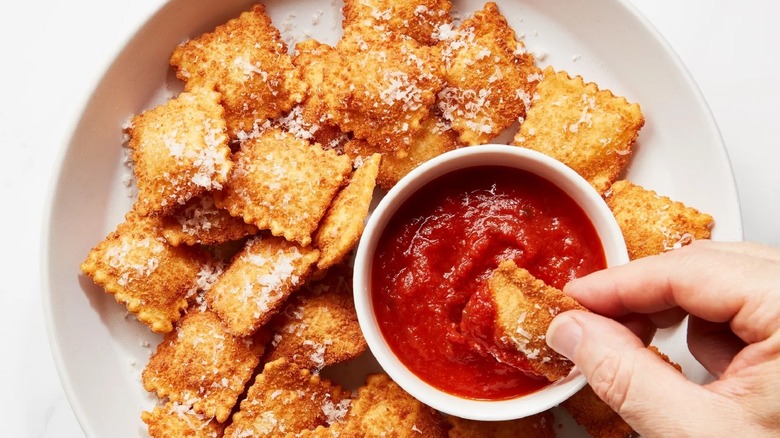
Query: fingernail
point(563, 335)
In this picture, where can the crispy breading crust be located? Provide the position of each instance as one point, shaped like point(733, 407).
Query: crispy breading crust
point(490, 77)
point(258, 281)
point(200, 222)
point(383, 89)
point(653, 224)
point(319, 325)
point(596, 416)
point(179, 150)
point(343, 223)
point(202, 365)
point(432, 140)
point(286, 398)
point(590, 130)
point(535, 426)
point(312, 119)
point(417, 19)
point(283, 184)
point(138, 266)
point(178, 420)
point(245, 60)
point(382, 408)
point(525, 306)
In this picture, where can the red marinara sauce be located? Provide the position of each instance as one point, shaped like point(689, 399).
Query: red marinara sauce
point(441, 247)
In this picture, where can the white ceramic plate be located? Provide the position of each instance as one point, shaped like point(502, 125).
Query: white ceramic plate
point(100, 351)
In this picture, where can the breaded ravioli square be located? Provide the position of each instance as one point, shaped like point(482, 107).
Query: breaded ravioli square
point(653, 224)
point(144, 272)
point(383, 89)
point(490, 76)
point(202, 365)
point(287, 399)
point(247, 62)
point(598, 419)
point(417, 19)
point(343, 223)
point(179, 420)
point(432, 140)
point(200, 222)
point(382, 408)
point(588, 129)
point(311, 119)
point(283, 184)
point(534, 426)
point(524, 307)
point(318, 326)
point(179, 150)
point(258, 281)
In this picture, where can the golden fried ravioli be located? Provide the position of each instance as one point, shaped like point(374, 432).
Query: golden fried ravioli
point(433, 139)
point(247, 62)
point(319, 325)
point(179, 420)
point(258, 281)
point(417, 19)
point(535, 426)
point(490, 77)
point(653, 224)
point(202, 365)
point(144, 272)
point(383, 89)
point(343, 223)
point(283, 184)
point(311, 119)
point(382, 408)
point(590, 130)
point(200, 222)
point(524, 307)
point(287, 399)
point(179, 151)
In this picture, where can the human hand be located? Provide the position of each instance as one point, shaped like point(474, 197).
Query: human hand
point(731, 292)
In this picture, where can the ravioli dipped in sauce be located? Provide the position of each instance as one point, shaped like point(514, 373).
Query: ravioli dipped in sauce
point(441, 248)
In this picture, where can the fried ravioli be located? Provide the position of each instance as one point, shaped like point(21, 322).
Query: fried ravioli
point(343, 223)
point(490, 77)
point(384, 88)
point(319, 325)
point(247, 62)
point(653, 224)
point(432, 140)
point(179, 420)
point(258, 281)
point(588, 129)
point(202, 365)
point(524, 307)
point(283, 184)
point(200, 222)
point(287, 399)
point(535, 426)
point(312, 120)
point(138, 266)
point(417, 19)
point(382, 408)
point(179, 151)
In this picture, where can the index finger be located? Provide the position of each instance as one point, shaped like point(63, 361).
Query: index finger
point(718, 282)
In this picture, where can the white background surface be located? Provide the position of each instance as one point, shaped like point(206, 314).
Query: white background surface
point(52, 54)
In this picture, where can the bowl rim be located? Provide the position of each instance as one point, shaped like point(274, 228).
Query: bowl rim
point(484, 155)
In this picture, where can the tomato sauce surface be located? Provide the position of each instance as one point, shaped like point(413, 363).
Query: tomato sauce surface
point(440, 248)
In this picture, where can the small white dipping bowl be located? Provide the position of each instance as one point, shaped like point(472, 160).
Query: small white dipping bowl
point(486, 155)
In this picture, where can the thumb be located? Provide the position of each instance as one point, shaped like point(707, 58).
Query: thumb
point(649, 394)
